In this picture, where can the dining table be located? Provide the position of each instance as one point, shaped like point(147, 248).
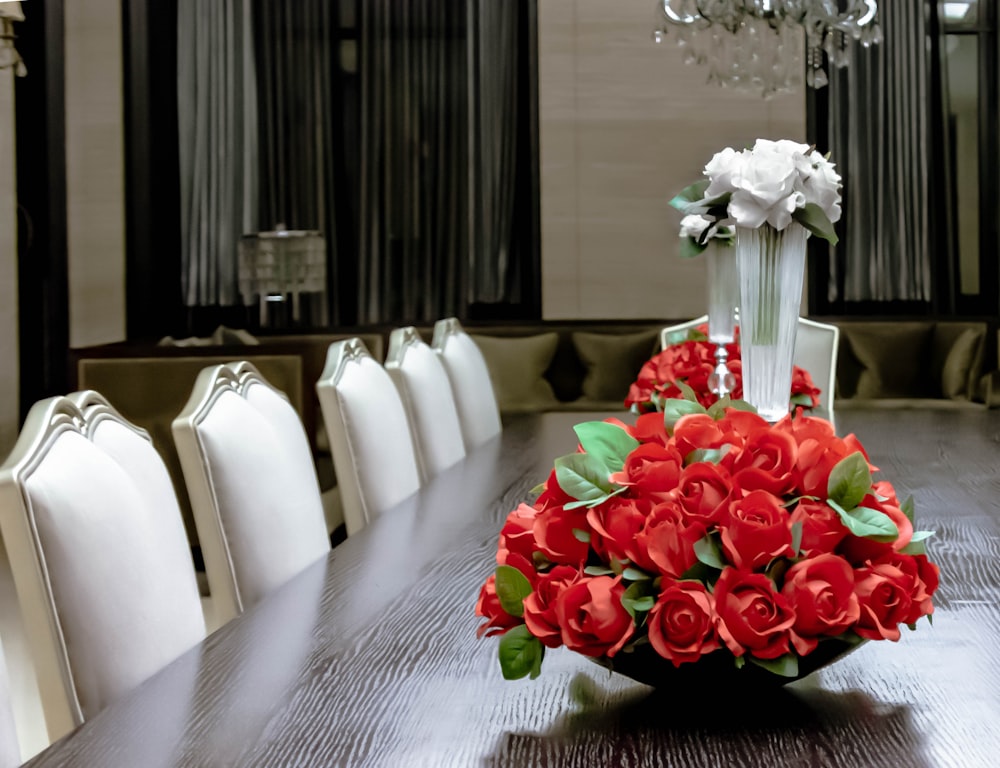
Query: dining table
point(370, 657)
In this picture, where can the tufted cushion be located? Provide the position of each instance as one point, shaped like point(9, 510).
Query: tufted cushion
point(894, 359)
point(612, 361)
point(517, 366)
point(961, 364)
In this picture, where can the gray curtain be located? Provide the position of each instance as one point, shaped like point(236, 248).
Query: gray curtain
point(217, 122)
point(439, 116)
point(300, 122)
point(494, 101)
point(881, 112)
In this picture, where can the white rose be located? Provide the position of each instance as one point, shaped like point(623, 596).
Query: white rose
point(694, 225)
point(721, 170)
point(821, 185)
point(765, 188)
point(782, 146)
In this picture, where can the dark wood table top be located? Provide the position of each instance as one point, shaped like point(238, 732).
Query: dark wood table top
point(371, 657)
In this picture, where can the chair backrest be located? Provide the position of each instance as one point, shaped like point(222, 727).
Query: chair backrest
point(10, 748)
point(423, 384)
point(668, 335)
point(374, 456)
point(252, 483)
point(816, 347)
point(98, 553)
point(470, 382)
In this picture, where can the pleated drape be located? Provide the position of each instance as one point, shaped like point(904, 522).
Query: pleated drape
point(300, 122)
point(494, 116)
point(881, 113)
point(217, 123)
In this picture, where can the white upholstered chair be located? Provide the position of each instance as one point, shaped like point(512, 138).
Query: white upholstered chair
point(816, 346)
point(252, 483)
point(99, 556)
point(374, 455)
point(423, 384)
point(10, 747)
point(470, 382)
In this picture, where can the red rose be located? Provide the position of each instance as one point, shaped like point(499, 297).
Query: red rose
point(742, 423)
point(922, 578)
point(666, 542)
point(752, 617)
point(592, 618)
point(822, 530)
point(682, 623)
point(698, 430)
point(553, 530)
point(517, 534)
point(488, 606)
point(704, 492)
point(767, 462)
point(539, 606)
point(650, 428)
point(651, 469)
point(817, 456)
point(756, 531)
point(883, 592)
point(614, 525)
point(821, 592)
point(802, 384)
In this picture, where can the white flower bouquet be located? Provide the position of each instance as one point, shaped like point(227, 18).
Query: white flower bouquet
point(774, 183)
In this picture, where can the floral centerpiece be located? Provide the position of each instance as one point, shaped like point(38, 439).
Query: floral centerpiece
point(683, 368)
point(699, 540)
point(697, 231)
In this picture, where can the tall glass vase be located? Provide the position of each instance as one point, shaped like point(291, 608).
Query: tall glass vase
point(771, 268)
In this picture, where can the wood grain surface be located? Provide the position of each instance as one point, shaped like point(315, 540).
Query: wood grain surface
point(370, 658)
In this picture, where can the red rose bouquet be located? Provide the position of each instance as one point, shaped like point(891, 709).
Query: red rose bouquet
point(683, 368)
point(707, 537)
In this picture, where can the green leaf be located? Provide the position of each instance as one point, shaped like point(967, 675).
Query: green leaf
point(850, 480)
point(690, 248)
point(707, 550)
point(710, 455)
point(598, 570)
point(581, 535)
point(796, 537)
point(812, 218)
point(583, 477)
point(520, 653)
point(917, 545)
point(636, 600)
point(674, 409)
point(907, 508)
point(739, 662)
point(634, 574)
point(512, 587)
point(608, 443)
point(537, 489)
point(785, 666)
point(801, 399)
point(692, 193)
point(687, 393)
point(867, 523)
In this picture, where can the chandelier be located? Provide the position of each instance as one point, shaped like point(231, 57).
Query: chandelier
point(760, 45)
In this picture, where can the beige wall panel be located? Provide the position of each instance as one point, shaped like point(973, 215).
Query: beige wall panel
point(641, 125)
point(95, 172)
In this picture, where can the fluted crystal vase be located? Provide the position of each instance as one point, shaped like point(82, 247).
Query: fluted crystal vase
point(771, 267)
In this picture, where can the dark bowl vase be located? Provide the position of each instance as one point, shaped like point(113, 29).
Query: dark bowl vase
point(645, 665)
